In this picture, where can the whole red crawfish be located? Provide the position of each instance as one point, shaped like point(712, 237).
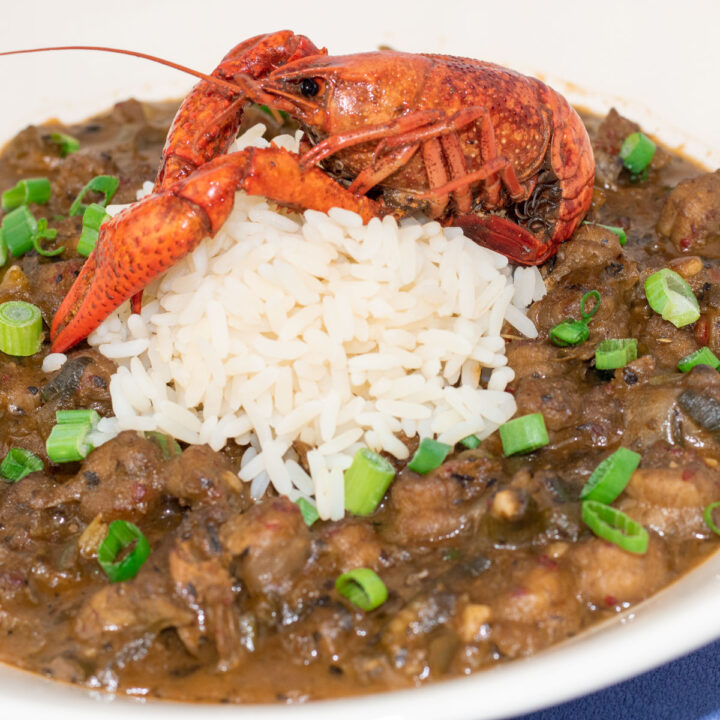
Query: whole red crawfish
point(473, 144)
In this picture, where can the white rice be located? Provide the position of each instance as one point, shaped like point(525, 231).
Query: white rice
point(316, 328)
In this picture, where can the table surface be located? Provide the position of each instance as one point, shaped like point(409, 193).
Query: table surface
point(686, 689)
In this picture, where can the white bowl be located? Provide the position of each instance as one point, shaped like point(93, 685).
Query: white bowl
point(653, 63)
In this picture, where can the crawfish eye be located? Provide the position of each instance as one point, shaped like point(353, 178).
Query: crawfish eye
point(309, 87)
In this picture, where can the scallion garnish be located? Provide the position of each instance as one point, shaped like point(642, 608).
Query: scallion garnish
point(168, 445)
point(429, 455)
point(91, 417)
point(21, 330)
point(471, 442)
point(21, 232)
point(363, 588)
point(105, 184)
point(615, 527)
point(611, 476)
point(703, 356)
point(122, 535)
point(31, 190)
point(66, 143)
point(574, 332)
point(42, 234)
point(670, 295)
point(524, 434)
point(308, 511)
point(93, 217)
point(18, 463)
point(637, 152)
point(708, 517)
point(366, 481)
point(68, 442)
point(18, 228)
point(614, 353)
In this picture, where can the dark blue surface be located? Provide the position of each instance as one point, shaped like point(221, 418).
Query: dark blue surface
point(687, 689)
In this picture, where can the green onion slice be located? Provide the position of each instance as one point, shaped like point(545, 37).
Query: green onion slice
point(68, 442)
point(32, 190)
point(670, 295)
point(637, 152)
point(19, 227)
point(429, 455)
point(611, 476)
point(168, 445)
point(21, 332)
point(708, 517)
point(43, 233)
point(471, 442)
point(569, 332)
point(93, 217)
point(622, 237)
point(703, 356)
point(363, 588)
point(18, 463)
point(366, 481)
point(67, 143)
point(615, 527)
point(105, 184)
point(524, 434)
point(121, 536)
point(612, 354)
point(90, 417)
point(308, 510)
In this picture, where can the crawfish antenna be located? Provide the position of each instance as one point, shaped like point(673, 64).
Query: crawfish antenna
point(144, 56)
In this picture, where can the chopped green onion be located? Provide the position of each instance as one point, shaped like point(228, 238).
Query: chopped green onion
point(21, 332)
point(612, 354)
point(168, 445)
point(708, 517)
point(524, 434)
point(21, 232)
point(611, 476)
point(121, 535)
point(93, 217)
point(615, 527)
point(569, 332)
point(32, 190)
point(272, 112)
point(366, 481)
point(68, 442)
point(471, 442)
point(703, 356)
point(67, 143)
point(18, 463)
point(90, 417)
point(105, 184)
point(18, 228)
point(637, 152)
point(363, 588)
point(308, 510)
point(429, 455)
point(43, 233)
point(670, 295)
point(574, 332)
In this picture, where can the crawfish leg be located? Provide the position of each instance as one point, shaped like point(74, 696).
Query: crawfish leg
point(150, 236)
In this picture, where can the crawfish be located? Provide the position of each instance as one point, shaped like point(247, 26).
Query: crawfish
point(470, 143)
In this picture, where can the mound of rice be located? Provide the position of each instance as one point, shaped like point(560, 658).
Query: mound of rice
point(319, 329)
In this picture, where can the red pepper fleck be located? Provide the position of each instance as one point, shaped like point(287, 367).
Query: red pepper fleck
point(547, 562)
point(688, 474)
point(685, 243)
point(139, 491)
point(701, 331)
point(611, 601)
